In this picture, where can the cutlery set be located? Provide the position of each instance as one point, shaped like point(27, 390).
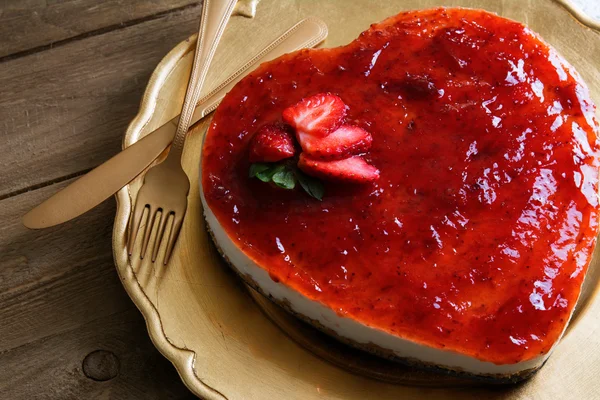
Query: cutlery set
point(163, 196)
point(166, 185)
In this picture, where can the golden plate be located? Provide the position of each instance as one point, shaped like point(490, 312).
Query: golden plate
point(226, 345)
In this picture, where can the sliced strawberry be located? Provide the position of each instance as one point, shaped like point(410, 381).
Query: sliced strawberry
point(345, 141)
point(354, 169)
point(319, 115)
point(272, 142)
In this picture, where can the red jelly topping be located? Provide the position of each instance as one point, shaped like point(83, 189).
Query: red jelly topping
point(477, 235)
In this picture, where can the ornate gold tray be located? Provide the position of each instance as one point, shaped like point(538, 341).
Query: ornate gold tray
point(226, 341)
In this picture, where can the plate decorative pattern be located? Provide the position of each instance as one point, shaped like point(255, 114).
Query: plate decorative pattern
point(230, 343)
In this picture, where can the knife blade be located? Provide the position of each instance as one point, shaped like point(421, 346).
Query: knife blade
point(108, 178)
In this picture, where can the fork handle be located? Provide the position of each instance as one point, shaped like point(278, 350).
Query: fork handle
point(215, 15)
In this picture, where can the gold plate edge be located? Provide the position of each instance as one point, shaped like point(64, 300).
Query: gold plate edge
point(182, 359)
point(579, 15)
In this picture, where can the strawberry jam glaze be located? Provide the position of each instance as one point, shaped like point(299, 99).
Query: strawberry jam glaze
point(477, 235)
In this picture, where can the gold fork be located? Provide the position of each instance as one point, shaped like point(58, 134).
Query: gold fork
point(166, 185)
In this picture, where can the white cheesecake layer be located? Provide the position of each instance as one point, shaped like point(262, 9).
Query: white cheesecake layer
point(349, 328)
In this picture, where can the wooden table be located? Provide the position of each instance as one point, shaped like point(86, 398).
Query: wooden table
point(72, 73)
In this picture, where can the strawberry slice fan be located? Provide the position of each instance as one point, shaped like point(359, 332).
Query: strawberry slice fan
point(330, 149)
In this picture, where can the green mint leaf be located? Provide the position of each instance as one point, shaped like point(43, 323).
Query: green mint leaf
point(285, 175)
point(312, 186)
point(267, 175)
point(257, 168)
point(285, 179)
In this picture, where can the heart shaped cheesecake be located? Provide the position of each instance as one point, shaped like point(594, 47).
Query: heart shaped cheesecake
point(427, 192)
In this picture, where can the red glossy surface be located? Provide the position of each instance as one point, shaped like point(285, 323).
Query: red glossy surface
point(477, 236)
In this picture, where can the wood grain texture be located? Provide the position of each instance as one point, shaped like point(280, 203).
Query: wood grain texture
point(34, 25)
point(64, 110)
point(61, 299)
point(50, 280)
point(52, 368)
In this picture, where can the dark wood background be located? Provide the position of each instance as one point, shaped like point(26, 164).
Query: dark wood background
point(72, 73)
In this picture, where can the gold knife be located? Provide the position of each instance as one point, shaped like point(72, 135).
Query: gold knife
point(108, 178)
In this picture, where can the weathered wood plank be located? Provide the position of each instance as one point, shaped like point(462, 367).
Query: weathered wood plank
point(55, 280)
point(60, 296)
point(33, 24)
point(28, 255)
point(65, 110)
point(61, 299)
point(52, 368)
